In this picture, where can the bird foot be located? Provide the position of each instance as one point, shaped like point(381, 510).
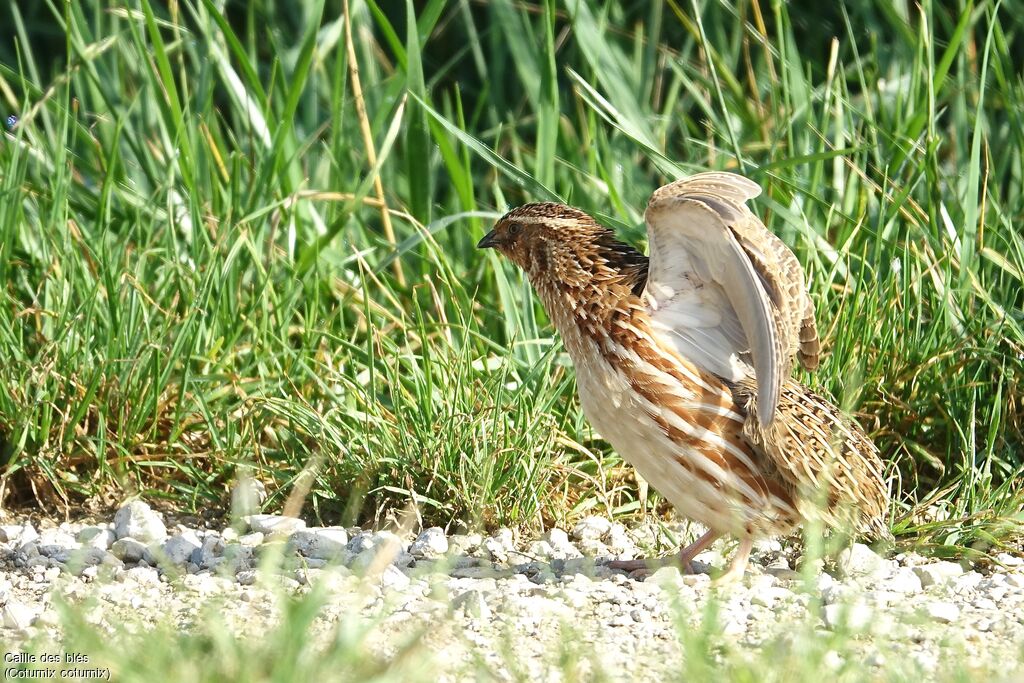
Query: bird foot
point(642, 568)
point(738, 567)
point(630, 565)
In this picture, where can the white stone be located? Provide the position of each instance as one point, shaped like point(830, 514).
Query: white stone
point(903, 580)
point(591, 528)
point(767, 596)
point(943, 612)
point(252, 540)
point(394, 579)
point(246, 577)
point(431, 543)
point(855, 616)
point(144, 576)
point(619, 542)
point(1015, 580)
point(96, 537)
point(1008, 560)
point(558, 538)
point(591, 547)
point(832, 660)
point(734, 626)
point(273, 524)
point(998, 592)
point(378, 550)
point(28, 534)
point(834, 593)
point(665, 577)
point(540, 550)
point(926, 659)
point(967, 582)
point(500, 545)
point(938, 572)
point(876, 658)
point(767, 545)
point(473, 604)
point(984, 604)
point(56, 537)
point(17, 615)
point(695, 580)
point(561, 547)
point(860, 560)
point(464, 544)
point(11, 533)
point(758, 582)
point(320, 543)
point(137, 520)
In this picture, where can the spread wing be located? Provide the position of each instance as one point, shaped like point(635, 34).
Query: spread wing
point(727, 292)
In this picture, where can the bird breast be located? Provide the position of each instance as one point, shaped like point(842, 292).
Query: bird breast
point(676, 425)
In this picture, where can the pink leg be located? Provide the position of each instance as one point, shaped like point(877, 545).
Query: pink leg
point(739, 563)
point(691, 551)
point(683, 559)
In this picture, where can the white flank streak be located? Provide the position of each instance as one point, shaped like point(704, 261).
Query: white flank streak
point(723, 411)
point(657, 342)
point(706, 464)
point(677, 388)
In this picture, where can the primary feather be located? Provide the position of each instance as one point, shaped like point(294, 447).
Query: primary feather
point(728, 293)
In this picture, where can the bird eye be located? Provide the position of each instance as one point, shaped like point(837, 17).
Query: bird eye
point(514, 229)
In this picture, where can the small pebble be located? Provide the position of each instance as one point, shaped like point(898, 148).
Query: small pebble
point(430, 543)
point(273, 524)
point(500, 584)
point(942, 612)
point(938, 572)
point(137, 520)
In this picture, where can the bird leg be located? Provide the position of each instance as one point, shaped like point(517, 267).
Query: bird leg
point(691, 551)
point(683, 559)
point(739, 562)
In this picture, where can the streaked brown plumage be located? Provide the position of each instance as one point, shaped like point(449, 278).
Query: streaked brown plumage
point(683, 361)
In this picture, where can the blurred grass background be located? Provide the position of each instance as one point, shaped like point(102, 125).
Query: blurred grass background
point(241, 236)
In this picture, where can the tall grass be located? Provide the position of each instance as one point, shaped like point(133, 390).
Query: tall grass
point(243, 235)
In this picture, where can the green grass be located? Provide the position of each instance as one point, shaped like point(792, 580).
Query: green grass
point(217, 252)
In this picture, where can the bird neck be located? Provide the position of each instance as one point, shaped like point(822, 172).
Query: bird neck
point(583, 293)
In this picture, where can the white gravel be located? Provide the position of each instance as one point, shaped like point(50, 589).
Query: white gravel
point(478, 592)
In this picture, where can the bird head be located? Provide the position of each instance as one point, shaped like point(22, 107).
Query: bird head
point(548, 239)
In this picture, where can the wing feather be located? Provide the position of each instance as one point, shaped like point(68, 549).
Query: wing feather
point(728, 293)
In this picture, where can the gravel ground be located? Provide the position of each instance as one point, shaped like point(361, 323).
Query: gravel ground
point(473, 597)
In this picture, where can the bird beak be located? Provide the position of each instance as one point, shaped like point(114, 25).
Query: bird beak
point(488, 242)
